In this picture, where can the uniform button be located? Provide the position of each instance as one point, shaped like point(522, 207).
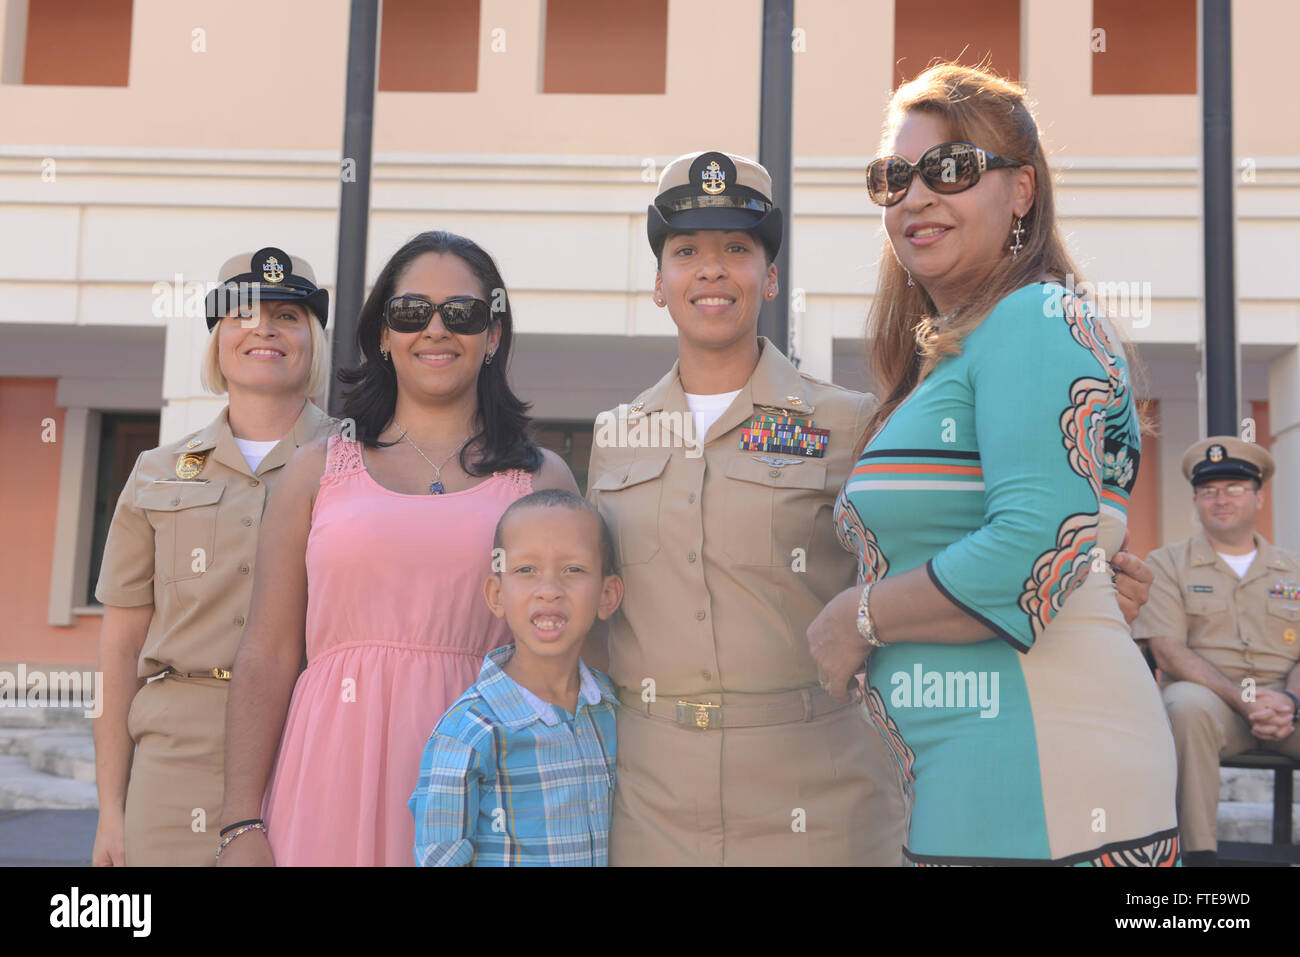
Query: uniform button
point(699, 615)
point(176, 501)
point(243, 569)
point(690, 556)
point(774, 473)
point(239, 620)
point(246, 521)
point(254, 482)
point(691, 498)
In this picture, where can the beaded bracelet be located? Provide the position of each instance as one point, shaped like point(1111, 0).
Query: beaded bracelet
point(255, 826)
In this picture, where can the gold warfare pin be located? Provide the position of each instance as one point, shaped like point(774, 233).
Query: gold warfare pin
point(189, 465)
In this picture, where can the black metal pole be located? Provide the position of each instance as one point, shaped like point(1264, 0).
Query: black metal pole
point(354, 201)
point(774, 151)
point(1219, 223)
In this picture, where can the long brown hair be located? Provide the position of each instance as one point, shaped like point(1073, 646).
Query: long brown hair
point(905, 338)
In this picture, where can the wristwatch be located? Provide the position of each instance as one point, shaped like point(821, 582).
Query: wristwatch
point(867, 627)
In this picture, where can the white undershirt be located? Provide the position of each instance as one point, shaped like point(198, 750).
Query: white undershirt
point(254, 452)
point(1239, 563)
point(707, 409)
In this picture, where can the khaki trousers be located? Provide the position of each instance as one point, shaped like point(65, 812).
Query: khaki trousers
point(173, 798)
point(822, 792)
point(1206, 730)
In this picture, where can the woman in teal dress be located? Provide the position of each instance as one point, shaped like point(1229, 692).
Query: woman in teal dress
point(985, 505)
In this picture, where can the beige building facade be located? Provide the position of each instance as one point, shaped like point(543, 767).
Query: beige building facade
point(226, 136)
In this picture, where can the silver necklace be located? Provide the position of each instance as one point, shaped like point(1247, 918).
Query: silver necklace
point(435, 487)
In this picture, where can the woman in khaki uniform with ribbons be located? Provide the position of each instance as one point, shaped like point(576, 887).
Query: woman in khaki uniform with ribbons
point(178, 566)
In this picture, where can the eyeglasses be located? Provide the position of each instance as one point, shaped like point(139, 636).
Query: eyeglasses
point(463, 315)
point(947, 168)
point(1207, 493)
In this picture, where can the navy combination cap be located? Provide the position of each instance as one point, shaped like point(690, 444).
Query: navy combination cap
point(713, 190)
point(271, 274)
point(1226, 457)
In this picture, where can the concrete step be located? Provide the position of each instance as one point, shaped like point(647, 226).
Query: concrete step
point(65, 754)
point(22, 788)
point(17, 740)
point(1251, 821)
point(1247, 784)
point(11, 717)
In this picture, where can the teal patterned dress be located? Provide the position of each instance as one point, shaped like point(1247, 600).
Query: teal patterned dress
point(1006, 474)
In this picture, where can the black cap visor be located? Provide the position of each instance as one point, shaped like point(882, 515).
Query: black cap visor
point(1227, 469)
point(225, 300)
point(766, 224)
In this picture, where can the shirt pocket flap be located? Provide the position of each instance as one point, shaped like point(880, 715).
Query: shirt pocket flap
point(1284, 609)
point(632, 473)
point(174, 496)
point(1205, 606)
point(802, 473)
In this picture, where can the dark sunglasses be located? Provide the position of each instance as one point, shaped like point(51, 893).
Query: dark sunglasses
point(463, 315)
point(946, 168)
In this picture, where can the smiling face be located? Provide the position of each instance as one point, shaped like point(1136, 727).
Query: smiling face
point(714, 283)
point(551, 588)
point(950, 242)
point(1224, 517)
point(435, 362)
point(269, 351)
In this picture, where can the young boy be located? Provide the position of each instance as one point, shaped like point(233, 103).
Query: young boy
point(520, 770)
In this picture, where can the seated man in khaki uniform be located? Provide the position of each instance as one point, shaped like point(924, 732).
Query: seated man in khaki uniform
point(1222, 622)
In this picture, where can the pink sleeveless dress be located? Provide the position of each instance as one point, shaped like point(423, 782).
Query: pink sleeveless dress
point(397, 629)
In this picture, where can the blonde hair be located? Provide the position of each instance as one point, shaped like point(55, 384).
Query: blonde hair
point(906, 340)
point(214, 380)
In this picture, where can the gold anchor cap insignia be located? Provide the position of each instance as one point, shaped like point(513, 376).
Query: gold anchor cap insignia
point(272, 271)
point(713, 179)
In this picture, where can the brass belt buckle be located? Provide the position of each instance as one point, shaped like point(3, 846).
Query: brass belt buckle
point(699, 714)
point(221, 673)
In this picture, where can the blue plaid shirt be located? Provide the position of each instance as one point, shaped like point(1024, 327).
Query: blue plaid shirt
point(509, 780)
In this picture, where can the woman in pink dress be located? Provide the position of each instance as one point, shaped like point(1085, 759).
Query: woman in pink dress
point(376, 546)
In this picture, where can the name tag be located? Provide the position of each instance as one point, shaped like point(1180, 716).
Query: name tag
point(1201, 589)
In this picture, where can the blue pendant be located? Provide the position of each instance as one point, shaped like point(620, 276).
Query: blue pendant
point(437, 488)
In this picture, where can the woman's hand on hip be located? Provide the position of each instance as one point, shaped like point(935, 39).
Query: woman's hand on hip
point(836, 645)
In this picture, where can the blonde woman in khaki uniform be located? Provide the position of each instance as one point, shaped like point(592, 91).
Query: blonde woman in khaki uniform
point(178, 567)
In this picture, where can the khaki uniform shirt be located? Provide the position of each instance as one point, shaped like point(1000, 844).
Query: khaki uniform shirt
point(185, 539)
point(1246, 627)
point(726, 559)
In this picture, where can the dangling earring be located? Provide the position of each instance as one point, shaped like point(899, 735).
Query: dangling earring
point(488, 361)
point(383, 353)
point(909, 278)
point(1017, 245)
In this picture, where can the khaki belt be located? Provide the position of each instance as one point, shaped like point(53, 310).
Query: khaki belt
point(734, 710)
point(221, 674)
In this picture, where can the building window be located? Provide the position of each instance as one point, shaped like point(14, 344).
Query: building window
point(1147, 47)
point(975, 34)
point(571, 441)
point(429, 46)
point(122, 437)
point(72, 42)
point(594, 46)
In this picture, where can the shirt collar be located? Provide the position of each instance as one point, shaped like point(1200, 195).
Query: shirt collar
point(515, 705)
point(775, 383)
point(216, 435)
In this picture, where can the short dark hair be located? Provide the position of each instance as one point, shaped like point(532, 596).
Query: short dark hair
point(562, 498)
point(751, 233)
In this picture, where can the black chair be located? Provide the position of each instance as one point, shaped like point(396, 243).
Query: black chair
point(1282, 850)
